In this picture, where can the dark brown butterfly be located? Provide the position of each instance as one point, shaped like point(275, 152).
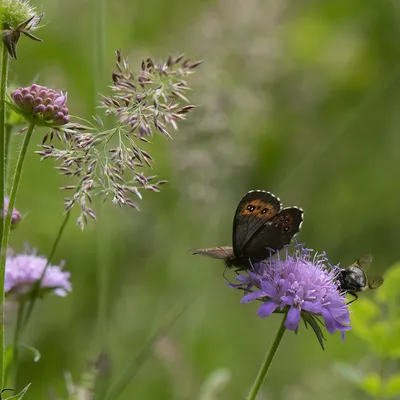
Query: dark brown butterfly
point(354, 279)
point(260, 228)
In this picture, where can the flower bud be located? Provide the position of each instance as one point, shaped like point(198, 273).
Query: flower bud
point(41, 105)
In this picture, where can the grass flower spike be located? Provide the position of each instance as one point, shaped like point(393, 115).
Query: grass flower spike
point(24, 270)
point(113, 163)
point(304, 285)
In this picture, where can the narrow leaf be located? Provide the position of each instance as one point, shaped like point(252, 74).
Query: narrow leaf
point(308, 318)
point(33, 350)
point(20, 395)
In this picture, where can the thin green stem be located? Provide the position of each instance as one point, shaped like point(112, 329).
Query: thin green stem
point(6, 235)
point(104, 251)
point(267, 362)
point(99, 37)
point(17, 334)
point(7, 148)
point(3, 89)
point(104, 248)
point(145, 352)
point(36, 290)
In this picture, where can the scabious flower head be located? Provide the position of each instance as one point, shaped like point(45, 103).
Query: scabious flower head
point(24, 270)
point(16, 215)
point(303, 284)
point(17, 16)
point(41, 105)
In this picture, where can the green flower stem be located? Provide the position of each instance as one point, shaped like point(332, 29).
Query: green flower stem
point(3, 89)
point(104, 248)
point(7, 147)
point(267, 362)
point(36, 290)
point(17, 335)
point(6, 235)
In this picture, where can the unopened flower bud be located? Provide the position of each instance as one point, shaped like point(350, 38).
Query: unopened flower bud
point(41, 105)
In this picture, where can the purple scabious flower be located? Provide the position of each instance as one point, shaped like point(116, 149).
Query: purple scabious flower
point(24, 270)
point(41, 105)
point(303, 284)
point(16, 215)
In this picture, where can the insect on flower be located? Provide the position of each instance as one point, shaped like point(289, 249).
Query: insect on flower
point(354, 279)
point(260, 227)
point(303, 285)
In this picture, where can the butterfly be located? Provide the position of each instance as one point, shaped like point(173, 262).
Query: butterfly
point(354, 279)
point(260, 228)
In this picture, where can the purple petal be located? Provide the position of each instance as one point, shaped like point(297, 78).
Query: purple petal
point(330, 324)
point(312, 307)
point(267, 308)
point(61, 100)
point(292, 318)
point(268, 287)
point(287, 300)
point(247, 298)
point(242, 278)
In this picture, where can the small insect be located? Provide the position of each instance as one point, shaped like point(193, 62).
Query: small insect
point(260, 228)
point(354, 279)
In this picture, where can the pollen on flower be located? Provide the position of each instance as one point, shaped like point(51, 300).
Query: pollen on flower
point(42, 105)
point(301, 284)
point(24, 270)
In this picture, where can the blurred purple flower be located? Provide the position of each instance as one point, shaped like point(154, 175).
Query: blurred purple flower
point(42, 105)
point(16, 215)
point(24, 270)
point(301, 283)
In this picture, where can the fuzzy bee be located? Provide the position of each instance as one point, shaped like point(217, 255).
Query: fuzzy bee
point(354, 279)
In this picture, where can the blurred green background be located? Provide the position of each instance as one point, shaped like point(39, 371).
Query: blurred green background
point(299, 98)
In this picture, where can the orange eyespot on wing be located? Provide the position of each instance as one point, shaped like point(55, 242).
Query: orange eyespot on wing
point(254, 210)
point(258, 209)
point(289, 221)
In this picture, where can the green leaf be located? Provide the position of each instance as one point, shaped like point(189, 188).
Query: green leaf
point(392, 387)
point(372, 384)
point(9, 353)
point(390, 290)
point(308, 318)
point(20, 395)
point(35, 352)
point(364, 311)
point(349, 372)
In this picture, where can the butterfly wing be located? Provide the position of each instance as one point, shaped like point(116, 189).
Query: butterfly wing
point(222, 253)
point(275, 234)
point(254, 210)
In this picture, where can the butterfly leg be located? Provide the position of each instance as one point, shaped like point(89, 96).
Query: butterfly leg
point(225, 277)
